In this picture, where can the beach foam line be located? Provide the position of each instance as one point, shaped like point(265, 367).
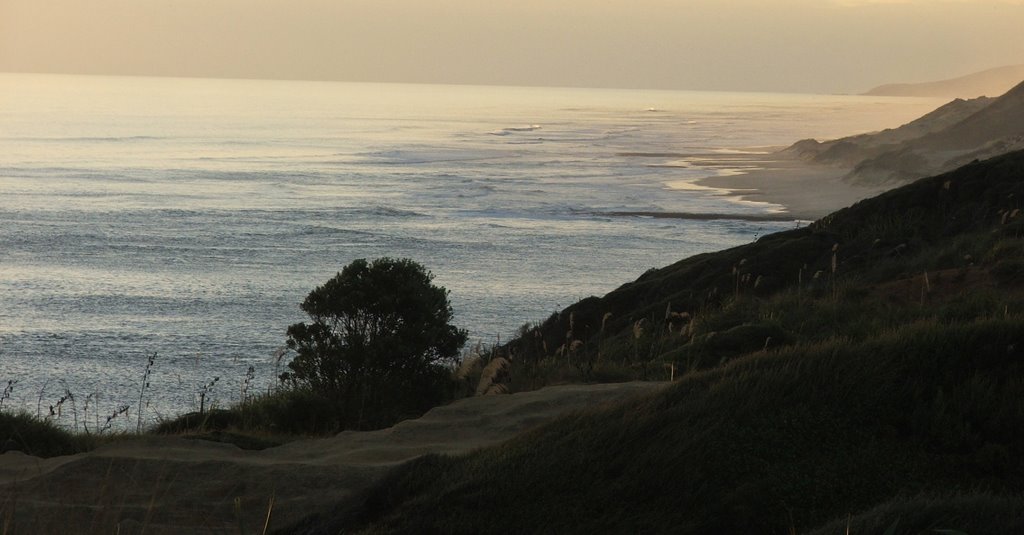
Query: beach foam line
point(697, 216)
point(690, 184)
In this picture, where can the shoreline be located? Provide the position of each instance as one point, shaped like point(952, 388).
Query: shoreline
point(780, 217)
point(805, 191)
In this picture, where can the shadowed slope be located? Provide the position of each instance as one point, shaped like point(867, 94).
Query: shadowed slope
point(174, 485)
point(894, 388)
point(883, 231)
point(770, 441)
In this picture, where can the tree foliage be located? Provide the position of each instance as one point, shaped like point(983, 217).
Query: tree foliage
point(378, 334)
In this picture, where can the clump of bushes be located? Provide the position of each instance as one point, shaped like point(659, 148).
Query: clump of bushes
point(34, 436)
point(378, 348)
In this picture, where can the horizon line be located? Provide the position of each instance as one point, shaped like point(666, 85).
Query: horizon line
point(454, 84)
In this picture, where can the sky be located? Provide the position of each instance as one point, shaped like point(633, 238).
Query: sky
point(823, 46)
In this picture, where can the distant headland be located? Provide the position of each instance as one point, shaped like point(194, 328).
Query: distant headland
point(990, 82)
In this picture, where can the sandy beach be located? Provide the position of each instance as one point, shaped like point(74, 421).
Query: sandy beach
point(806, 191)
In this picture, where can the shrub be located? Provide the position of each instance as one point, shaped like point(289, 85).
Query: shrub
point(288, 411)
point(26, 433)
point(379, 336)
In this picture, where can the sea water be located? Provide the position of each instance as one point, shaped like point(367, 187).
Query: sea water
point(189, 218)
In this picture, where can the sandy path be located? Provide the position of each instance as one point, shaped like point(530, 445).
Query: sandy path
point(173, 485)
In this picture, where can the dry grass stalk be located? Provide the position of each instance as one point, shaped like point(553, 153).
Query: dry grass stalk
point(270, 510)
point(142, 389)
point(121, 410)
point(8, 390)
point(638, 329)
point(835, 266)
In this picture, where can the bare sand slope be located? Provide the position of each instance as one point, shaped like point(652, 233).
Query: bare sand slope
point(174, 485)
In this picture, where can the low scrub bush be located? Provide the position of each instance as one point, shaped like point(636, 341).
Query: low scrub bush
point(33, 436)
point(288, 411)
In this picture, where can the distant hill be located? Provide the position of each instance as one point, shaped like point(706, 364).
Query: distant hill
point(988, 83)
point(1002, 118)
point(950, 136)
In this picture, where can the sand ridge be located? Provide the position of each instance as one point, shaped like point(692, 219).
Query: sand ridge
point(175, 485)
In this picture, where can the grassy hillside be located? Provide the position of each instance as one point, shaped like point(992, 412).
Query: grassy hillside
point(863, 372)
point(959, 225)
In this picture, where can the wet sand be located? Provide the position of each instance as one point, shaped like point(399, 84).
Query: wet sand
point(807, 191)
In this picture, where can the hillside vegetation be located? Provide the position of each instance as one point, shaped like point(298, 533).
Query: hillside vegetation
point(861, 374)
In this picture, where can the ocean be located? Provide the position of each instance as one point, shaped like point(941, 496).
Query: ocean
point(188, 218)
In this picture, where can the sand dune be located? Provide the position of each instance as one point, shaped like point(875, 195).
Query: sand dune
point(812, 179)
point(175, 485)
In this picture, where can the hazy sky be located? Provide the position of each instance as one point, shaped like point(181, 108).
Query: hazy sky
point(761, 45)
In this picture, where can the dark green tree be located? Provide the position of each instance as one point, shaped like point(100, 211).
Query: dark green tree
point(379, 335)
